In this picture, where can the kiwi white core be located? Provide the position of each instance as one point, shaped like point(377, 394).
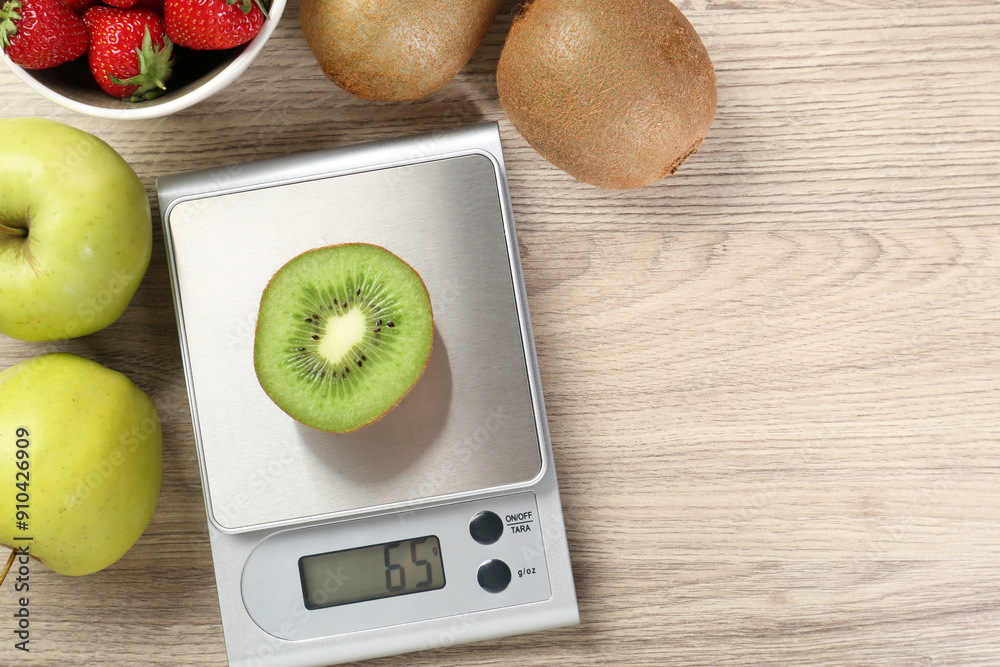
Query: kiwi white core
point(342, 333)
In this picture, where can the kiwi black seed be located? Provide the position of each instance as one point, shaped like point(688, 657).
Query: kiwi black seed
point(320, 350)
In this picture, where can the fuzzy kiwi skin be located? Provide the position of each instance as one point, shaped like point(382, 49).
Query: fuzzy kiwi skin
point(617, 93)
point(394, 49)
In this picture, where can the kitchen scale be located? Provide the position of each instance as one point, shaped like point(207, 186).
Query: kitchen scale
point(439, 524)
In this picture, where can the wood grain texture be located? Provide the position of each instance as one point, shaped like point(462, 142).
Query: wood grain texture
point(772, 380)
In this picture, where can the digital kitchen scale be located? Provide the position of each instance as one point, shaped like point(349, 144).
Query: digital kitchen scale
point(439, 524)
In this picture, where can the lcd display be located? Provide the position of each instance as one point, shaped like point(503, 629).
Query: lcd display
point(372, 572)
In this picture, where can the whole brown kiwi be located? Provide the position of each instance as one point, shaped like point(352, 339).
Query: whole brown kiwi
point(394, 49)
point(617, 93)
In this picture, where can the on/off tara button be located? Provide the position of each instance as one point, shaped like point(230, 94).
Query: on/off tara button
point(494, 575)
point(486, 527)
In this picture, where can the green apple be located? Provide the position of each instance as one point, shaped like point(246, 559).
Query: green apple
point(80, 462)
point(75, 231)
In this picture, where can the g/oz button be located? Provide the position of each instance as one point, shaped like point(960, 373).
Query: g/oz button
point(486, 527)
point(494, 575)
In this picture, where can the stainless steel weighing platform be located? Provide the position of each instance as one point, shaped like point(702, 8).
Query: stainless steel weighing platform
point(457, 482)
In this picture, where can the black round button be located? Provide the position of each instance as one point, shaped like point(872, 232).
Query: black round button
point(486, 527)
point(494, 575)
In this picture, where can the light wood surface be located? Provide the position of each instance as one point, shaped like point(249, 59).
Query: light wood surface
point(772, 380)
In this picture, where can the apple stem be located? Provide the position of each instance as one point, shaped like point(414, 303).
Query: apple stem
point(6, 568)
point(13, 231)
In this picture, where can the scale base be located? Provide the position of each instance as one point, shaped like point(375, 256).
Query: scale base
point(474, 436)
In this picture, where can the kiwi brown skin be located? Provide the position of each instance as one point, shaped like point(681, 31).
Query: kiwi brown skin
point(617, 93)
point(394, 50)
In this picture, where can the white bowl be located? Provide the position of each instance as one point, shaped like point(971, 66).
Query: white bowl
point(199, 75)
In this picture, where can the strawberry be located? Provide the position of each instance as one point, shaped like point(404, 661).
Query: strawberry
point(130, 55)
point(79, 5)
point(212, 24)
point(39, 34)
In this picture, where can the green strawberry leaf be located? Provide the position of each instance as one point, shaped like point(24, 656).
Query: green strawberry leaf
point(246, 6)
point(8, 15)
point(156, 66)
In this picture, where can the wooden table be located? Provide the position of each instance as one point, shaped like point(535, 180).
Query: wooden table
point(772, 380)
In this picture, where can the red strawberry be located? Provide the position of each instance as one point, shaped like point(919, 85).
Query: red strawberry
point(38, 34)
point(122, 4)
point(130, 56)
point(79, 5)
point(212, 24)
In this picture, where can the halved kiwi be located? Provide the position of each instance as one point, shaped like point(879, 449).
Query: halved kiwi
point(343, 333)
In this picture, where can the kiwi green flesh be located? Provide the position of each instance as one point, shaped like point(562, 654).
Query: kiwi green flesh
point(343, 333)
